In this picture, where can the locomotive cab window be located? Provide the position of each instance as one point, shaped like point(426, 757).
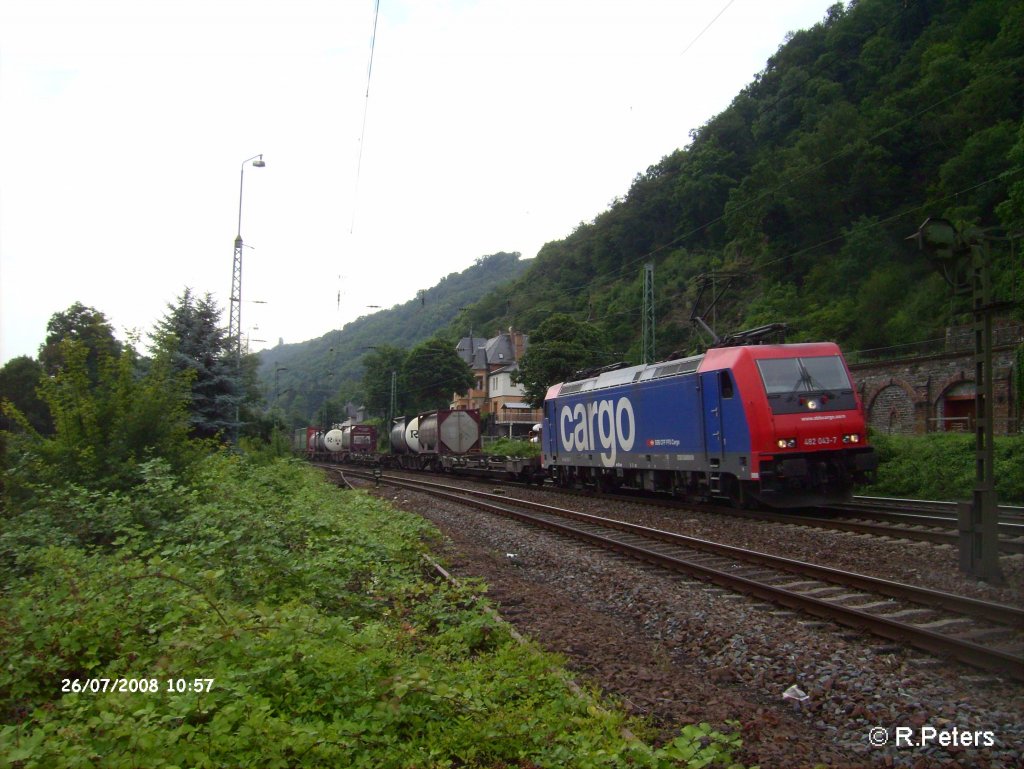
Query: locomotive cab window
point(725, 388)
point(790, 375)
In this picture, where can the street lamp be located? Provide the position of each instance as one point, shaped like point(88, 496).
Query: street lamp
point(235, 314)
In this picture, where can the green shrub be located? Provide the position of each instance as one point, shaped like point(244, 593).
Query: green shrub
point(509, 447)
point(942, 466)
point(328, 640)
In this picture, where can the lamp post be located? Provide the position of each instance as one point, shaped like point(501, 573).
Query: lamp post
point(235, 313)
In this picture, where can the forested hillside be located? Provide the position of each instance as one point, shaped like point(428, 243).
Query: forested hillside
point(795, 203)
point(304, 379)
point(803, 191)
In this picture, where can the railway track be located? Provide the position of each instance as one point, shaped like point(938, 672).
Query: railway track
point(928, 507)
point(913, 520)
point(898, 525)
point(894, 521)
point(925, 513)
point(979, 633)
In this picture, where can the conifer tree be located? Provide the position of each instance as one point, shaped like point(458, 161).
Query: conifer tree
point(192, 334)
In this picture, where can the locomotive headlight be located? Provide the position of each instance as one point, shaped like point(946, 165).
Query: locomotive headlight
point(786, 443)
point(851, 438)
point(812, 404)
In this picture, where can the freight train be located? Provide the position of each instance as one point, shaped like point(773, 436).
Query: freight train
point(776, 424)
point(340, 443)
point(443, 440)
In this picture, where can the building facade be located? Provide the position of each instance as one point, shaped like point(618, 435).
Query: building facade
point(494, 362)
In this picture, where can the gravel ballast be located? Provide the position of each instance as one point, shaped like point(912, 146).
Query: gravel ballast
point(678, 651)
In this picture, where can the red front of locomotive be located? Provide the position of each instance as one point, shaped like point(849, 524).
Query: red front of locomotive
point(807, 428)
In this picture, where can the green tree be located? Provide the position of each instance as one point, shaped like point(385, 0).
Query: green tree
point(559, 347)
point(19, 382)
point(435, 371)
point(105, 429)
point(191, 335)
point(248, 391)
point(377, 368)
point(1011, 210)
point(80, 324)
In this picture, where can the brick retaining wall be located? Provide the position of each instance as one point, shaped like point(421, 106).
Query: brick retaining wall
point(911, 395)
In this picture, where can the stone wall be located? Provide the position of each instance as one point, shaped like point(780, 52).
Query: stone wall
point(927, 392)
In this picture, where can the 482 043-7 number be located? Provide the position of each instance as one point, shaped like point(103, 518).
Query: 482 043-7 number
point(133, 685)
point(832, 441)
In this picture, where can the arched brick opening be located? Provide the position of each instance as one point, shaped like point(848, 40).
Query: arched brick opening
point(954, 404)
point(891, 407)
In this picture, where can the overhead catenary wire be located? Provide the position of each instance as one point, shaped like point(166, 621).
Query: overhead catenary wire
point(366, 110)
point(699, 34)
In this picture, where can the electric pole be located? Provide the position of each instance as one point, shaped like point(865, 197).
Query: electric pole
point(647, 346)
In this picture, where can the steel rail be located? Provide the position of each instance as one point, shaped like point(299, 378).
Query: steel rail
point(944, 537)
point(925, 505)
point(855, 527)
point(944, 521)
point(964, 650)
point(918, 535)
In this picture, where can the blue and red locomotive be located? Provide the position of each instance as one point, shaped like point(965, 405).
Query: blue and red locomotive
point(780, 424)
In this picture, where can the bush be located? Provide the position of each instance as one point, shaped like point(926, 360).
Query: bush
point(942, 466)
point(509, 447)
point(313, 627)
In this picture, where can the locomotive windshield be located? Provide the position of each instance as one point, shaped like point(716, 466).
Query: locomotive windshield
point(789, 375)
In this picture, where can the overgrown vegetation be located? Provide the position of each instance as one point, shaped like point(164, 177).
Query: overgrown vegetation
point(328, 640)
point(166, 603)
point(941, 466)
point(510, 447)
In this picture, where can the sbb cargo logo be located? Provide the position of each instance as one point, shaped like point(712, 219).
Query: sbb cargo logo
point(604, 425)
point(656, 442)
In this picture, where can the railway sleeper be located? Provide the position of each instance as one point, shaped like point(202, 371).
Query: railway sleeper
point(845, 597)
point(874, 605)
point(946, 623)
point(989, 634)
point(903, 614)
point(818, 592)
point(800, 584)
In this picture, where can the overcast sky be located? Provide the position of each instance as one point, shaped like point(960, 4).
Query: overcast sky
point(491, 125)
